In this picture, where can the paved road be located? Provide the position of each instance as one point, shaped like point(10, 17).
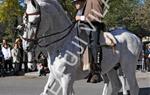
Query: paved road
point(33, 85)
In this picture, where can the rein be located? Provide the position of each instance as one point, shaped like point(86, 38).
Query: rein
point(70, 29)
point(26, 16)
point(36, 41)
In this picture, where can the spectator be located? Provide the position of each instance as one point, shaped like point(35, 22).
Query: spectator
point(147, 57)
point(16, 58)
point(4, 42)
point(2, 72)
point(19, 43)
point(42, 65)
point(7, 56)
point(140, 65)
point(25, 61)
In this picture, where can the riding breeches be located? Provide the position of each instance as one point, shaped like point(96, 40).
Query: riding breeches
point(94, 42)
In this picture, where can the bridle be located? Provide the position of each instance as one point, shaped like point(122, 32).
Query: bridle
point(26, 16)
point(34, 13)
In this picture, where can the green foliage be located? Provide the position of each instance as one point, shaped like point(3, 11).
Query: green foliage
point(9, 9)
point(120, 12)
point(131, 14)
point(9, 13)
point(68, 6)
point(143, 16)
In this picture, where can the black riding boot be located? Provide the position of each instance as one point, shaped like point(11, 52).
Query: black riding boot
point(95, 73)
point(96, 53)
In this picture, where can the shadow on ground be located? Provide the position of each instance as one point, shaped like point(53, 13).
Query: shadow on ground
point(143, 91)
point(11, 73)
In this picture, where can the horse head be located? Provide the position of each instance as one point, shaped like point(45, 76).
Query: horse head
point(41, 18)
point(31, 21)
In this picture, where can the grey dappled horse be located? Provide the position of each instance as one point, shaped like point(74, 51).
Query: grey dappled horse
point(46, 17)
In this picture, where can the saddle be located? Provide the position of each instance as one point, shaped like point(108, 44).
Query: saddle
point(107, 39)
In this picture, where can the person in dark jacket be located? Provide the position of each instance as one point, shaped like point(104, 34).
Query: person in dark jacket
point(42, 65)
point(2, 72)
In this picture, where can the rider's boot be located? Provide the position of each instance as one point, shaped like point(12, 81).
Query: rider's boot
point(95, 74)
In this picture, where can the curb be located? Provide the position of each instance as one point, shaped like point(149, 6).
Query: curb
point(32, 74)
point(139, 74)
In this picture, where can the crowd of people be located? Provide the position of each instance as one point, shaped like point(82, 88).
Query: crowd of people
point(13, 59)
point(144, 59)
point(147, 58)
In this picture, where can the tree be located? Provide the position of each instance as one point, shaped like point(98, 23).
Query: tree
point(120, 12)
point(68, 6)
point(10, 10)
point(142, 16)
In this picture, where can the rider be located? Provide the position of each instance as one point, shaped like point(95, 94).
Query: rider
point(84, 8)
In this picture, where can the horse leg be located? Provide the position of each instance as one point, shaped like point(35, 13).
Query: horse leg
point(71, 88)
point(123, 81)
point(66, 85)
point(130, 73)
point(105, 89)
point(48, 84)
point(106, 84)
point(115, 82)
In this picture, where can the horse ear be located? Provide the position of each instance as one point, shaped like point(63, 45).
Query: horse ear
point(35, 4)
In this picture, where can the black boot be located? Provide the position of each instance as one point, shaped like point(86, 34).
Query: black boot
point(89, 77)
point(94, 75)
point(96, 78)
point(96, 68)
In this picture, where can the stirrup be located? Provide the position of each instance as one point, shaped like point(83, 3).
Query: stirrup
point(95, 78)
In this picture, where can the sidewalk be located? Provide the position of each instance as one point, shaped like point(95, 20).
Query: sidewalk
point(32, 74)
point(139, 74)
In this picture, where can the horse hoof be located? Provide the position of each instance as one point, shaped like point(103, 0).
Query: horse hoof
point(125, 93)
point(43, 93)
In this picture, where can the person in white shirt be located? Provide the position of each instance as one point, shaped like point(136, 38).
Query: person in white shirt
point(7, 57)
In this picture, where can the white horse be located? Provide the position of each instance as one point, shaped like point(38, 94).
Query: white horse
point(46, 17)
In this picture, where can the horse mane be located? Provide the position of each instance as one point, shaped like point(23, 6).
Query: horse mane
point(55, 3)
point(54, 8)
